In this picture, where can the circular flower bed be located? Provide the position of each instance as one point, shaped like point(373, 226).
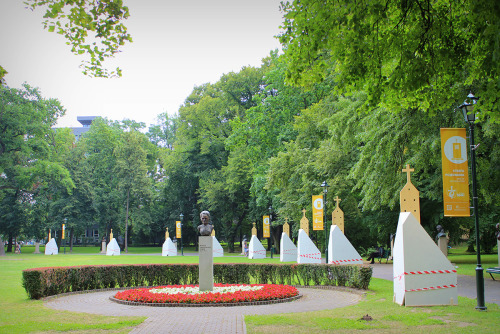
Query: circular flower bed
point(222, 294)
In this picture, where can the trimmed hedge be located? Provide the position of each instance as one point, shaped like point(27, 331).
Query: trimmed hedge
point(43, 282)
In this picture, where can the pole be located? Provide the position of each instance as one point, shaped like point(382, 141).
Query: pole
point(271, 231)
point(182, 245)
point(479, 268)
point(326, 228)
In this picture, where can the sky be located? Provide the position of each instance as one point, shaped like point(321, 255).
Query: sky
point(177, 45)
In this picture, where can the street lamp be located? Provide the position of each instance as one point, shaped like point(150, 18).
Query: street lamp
point(182, 246)
point(270, 229)
point(324, 185)
point(469, 116)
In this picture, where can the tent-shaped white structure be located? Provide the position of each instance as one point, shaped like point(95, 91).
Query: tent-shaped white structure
point(340, 250)
point(217, 249)
point(51, 247)
point(255, 249)
point(288, 251)
point(169, 248)
point(423, 276)
point(307, 252)
point(113, 248)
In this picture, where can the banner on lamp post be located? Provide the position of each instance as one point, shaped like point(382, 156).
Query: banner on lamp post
point(63, 230)
point(317, 202)
point(266, 233)
point(178, 232)
point(455, 172)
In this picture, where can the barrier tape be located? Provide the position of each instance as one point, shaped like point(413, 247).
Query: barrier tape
point(310, 256)
point(340, 261)
point(433, 288)
point(426, 272)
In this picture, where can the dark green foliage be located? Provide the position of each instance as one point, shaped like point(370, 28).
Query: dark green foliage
point(43, 282)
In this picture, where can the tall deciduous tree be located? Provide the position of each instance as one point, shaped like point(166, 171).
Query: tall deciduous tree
point(132, 172)
point(406, 54)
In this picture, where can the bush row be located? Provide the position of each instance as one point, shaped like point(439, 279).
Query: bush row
point(43, 282)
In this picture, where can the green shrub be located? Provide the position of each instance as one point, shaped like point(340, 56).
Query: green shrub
point(43, 282)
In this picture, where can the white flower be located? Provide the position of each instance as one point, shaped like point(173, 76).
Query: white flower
point(217, 289)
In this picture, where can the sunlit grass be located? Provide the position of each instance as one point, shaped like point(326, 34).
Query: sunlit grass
point(18, 314)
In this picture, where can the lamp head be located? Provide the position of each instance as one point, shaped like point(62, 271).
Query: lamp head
point(468, 108)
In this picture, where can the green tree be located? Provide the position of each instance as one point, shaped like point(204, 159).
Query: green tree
point(75, 20)
point(405, 55)
point(29, 161)
point(132, 172)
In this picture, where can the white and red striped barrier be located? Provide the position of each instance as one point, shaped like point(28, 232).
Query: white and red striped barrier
point(344, 261)
point(434, 288)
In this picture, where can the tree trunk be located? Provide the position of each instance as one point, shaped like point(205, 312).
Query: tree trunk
point(9, 245)
point(71, 241)
point(126, 222)
point(2, 247)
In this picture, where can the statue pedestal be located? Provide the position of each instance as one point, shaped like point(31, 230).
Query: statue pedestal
point(443, 245)
point(206, 264)
point(498, 247)
point(37, 248)
point(103, 246)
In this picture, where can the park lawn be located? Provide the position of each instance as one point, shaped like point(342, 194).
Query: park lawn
point(18, 314)
point(388, 317)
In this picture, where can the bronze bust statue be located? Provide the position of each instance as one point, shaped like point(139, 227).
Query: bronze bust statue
point(205, 228)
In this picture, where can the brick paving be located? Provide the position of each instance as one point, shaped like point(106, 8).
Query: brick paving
point(201, 319)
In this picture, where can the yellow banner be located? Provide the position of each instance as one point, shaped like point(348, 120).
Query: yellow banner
point(178, 232)
point(267, 230)
point(63, 230)
point(317, 202)
point(455, 173)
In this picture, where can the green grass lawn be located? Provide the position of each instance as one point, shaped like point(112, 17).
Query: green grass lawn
point(18, 314)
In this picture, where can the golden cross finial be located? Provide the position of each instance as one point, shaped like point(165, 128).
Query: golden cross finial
point(286, 220)
point(304, 212)
point(408, 170)
point(337, 199)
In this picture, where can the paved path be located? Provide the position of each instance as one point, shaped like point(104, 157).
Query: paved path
point(185, 319)
point(231, 319)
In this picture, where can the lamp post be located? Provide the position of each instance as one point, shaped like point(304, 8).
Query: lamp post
point(324, 185)
point(270, 229)
point(63, 233)
point(182, 246)
point(469, 116)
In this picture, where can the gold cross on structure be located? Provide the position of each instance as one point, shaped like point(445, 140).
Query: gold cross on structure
point(408, 170)
point(337, 199)
point(286, 219)
point(304, 212)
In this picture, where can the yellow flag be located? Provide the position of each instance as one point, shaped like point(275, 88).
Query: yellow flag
point(455, 173)
point(317, 202)
point(266, 230)
point(178, 232)
point(63, 230)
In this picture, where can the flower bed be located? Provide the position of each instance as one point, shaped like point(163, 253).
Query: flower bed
point(222, 294)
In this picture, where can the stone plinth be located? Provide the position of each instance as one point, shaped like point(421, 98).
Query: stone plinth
point(498, 247)
point(443, 245)
point(206, 265)
point(37, 248)
point(103, 246)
